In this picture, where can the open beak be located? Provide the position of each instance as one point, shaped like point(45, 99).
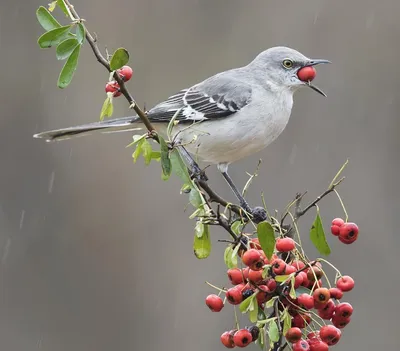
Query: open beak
point(314, 63)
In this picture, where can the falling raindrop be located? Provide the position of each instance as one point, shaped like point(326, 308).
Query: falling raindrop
point(51, 181)
point(21, 220)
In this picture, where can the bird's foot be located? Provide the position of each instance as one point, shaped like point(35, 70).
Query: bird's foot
point(197, 173)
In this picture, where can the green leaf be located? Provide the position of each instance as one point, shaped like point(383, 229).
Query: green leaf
point(281, 278)
point(69, 69)
point(317, 236)
point(199, 229)
point(165, 160)
point(147, 152)
point(246, 304)
point(260, 340)
point(46, 19)
point(266, 237)
point(292, 292)
point(265, 271)
point(273, 332)
point(237, 227)
point(119, 58)
point(107, 108)
point(302, 290)
point(136, 139)
point(171, 123)
point(253, 314)
point(287, 321)
point(63, 7)
point(138, 150)
point(270, 302)
point(228, 258)
point(80, 33)
point(52, 6)
point(261, 314)
point(156, 155)
point(202, 245)
point(53, 37)
point(65, 48)
point(235, 251)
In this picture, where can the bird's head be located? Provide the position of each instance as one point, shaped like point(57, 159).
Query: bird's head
point(289, 68)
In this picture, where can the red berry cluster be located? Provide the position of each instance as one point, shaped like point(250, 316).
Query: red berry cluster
point(296, 286)
point(346, 232)
point(125, 73)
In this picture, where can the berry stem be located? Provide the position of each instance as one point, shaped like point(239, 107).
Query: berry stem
point(215, 287)
point(344, 208)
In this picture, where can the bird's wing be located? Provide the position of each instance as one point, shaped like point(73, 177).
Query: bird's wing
point(217, 97)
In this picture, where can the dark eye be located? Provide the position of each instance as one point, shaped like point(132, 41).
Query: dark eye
point(287, 63)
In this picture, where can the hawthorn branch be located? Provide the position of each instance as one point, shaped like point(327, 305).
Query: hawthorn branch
point(96, 51)
point(278, 344)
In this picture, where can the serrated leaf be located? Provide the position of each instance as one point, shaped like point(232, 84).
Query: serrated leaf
point(281, 278)
point(165, 159)
point(253, 314)
point(107, 108)
point(119, 58)
point(53, 37)
point(273, 332)
point(246, 303)
point(202, 245)
point(80, 33)
point(266, 236)
point(69, 69)
point(65, 48)
point(46, 19)
point(138, 150)
point(287, 321)
point(147, 152)
point(317, 236)
point(63, 7)
point(302, 290)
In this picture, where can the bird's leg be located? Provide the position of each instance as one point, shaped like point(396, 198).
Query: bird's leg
point(194, 167)
point(258, 213)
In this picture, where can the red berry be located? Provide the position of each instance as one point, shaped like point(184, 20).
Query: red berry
point(298, 280)
point(278, 266)
point(285, 244)
point(271, 284)
point(113, 87)
point(336, 293)
point(290, 269)
point(339, 322)
point(336, 225)
point(330, 334)
point(348, 233)
point(227, 339)
point(293, 335)
point(255, 276)
point(345, 283)
point(298, 265)
point(214, 303)
point(252, 259)
point(318, 345)
point(327, 311)
point(344, 310)
point(301, 320)
point(235, 276)
point(245, 272)
point(314, 272)
point(305, 279)
point(234, 296)
point(301, 345)
point(306, 74)
point(242, 338)
point(125, 72)
point(321, 295)
point(306, 301)
point(263, 294)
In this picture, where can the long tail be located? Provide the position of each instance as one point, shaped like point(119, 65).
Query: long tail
point(106, 126)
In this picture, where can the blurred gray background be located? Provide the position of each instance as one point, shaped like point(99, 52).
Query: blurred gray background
point(96, 252)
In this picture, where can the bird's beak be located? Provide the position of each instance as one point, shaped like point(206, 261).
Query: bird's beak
point(314, 63)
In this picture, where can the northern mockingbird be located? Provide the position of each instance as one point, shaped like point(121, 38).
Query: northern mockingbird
point(226, 117)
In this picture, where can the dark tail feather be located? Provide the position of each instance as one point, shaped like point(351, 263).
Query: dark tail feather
point(106, 126)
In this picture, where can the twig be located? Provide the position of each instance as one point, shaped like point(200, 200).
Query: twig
point(132, 103)
point(277, 345)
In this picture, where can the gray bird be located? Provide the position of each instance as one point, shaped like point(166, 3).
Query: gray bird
point(226, 117)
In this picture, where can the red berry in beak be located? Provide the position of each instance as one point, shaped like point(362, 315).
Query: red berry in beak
point(306, 74)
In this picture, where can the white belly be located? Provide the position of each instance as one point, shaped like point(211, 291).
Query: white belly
point(240, 135)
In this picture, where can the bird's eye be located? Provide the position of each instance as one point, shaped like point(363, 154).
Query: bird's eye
point(287, 63)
